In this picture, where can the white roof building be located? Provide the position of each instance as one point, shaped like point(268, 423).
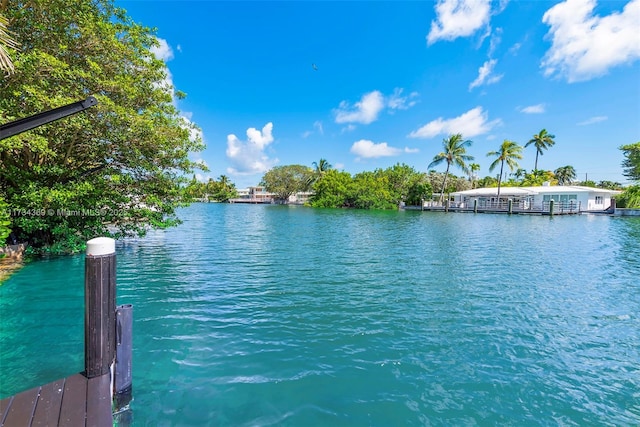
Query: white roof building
point(585, 198)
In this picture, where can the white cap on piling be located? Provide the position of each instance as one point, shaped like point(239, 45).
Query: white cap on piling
point(101, 246)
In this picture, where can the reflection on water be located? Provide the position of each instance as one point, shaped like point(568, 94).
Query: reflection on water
point(271, 315)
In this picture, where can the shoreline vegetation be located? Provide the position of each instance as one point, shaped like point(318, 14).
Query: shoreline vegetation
point(123, 166)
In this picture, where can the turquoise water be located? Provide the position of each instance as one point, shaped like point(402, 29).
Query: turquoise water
point(252, 315)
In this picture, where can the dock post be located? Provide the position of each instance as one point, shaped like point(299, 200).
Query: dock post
point(551, 203)
point(510, 206)
point(124, 336)
point(475, 206)
point(446, 205)
point(99, 307)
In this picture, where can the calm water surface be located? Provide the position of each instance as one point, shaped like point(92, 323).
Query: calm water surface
point(252, 315)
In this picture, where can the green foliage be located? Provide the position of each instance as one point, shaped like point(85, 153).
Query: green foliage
point(371, 190)
point(631, 163)
point(538, 177)
point(380, 189)
point(283, 181)
point(610, 185)
point(629, 198)
point(331, 190)
point(565, 175)
point(220, 190)
point(453, 182)
point(5, 221)
point(118, 164)
point(588, 183)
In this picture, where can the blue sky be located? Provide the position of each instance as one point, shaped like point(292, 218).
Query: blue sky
point(368, 84)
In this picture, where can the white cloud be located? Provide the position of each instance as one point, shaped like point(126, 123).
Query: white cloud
point(398, 102)
point(592, 120)
point(585, 46)
point(248, 157)
point(370, 106)
point(485, 76)
point(195, 133)
point(458, 18)
point(162, 51)
point(365, 111)
point(317, 126)
point(533, 109)
point(494, 42)
point(473, 122)
point(368, 149)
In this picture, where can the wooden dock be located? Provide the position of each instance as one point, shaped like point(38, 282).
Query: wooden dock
point(74, 401)
point(88, 398)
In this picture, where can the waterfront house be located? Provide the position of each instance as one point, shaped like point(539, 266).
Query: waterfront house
point(581, 199)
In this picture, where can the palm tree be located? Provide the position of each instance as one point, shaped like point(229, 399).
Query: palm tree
point(519, 174)
point(509, 151)
point(565, 175)
point(6, 41)
point(454, 152)
point(322, 166)
point(542, 141)
point(473, 169)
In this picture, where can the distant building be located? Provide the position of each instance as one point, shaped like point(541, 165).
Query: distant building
point(583, 199)
point(253, 195)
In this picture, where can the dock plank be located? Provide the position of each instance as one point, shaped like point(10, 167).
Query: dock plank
point(48, 405)
point(99, 411)
point(74, 402)
point(4, 408)
point(20, 411)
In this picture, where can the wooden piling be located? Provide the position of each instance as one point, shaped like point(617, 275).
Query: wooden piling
point(510, 206)
point(100, 306)
point(551, 207)
point(475, 206)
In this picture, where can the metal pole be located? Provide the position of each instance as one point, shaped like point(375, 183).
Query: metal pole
point(100, 306)
point(124, 335)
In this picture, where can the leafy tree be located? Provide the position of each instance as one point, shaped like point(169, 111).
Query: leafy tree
point(283, 181)
point(610, 185)
point(5, 221)
point(401, 179)
point(630, 198)
point(371, 190)
point(631, 163)
point(565, 175)
point(120, 163)
point(454, 153)
point(542, 141)
point(588, 183)
point(537, 178)
point(519, 174)
point(331, 190)
point(508, 152)
point(487, 182)
point(221, 190)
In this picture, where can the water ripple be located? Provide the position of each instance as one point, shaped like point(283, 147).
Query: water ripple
point(268, 315)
